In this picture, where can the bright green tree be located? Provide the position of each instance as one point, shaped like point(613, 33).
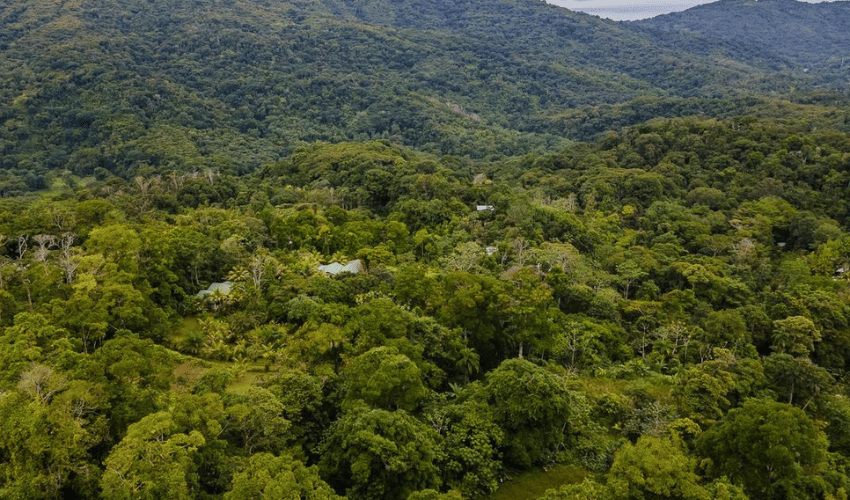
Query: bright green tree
point(795, 335)
point(254, 420)
point(267, 476)
point(654, 468)
point(49, 430)
point(470, 461)
point(154, 461)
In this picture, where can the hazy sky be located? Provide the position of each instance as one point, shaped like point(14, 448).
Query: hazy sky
point(623, 10)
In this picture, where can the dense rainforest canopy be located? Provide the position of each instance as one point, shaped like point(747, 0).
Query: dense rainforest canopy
point(667, 293)
point(576, 251)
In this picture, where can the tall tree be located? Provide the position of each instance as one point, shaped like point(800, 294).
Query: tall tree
point(269, 476)
point(534, 408)
point(773, 450)
point(376, 454)
point(153, 461)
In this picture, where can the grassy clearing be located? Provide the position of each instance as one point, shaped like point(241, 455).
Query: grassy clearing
point(247, 374)
point(531, 485)
point(658, 387)
point(187, 325)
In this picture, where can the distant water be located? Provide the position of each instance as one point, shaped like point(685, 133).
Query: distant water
point(635, 11)
point(632, 10)
point(625, 10)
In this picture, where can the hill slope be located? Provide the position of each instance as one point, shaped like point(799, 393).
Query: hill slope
point(128, 87)
point(796, 34)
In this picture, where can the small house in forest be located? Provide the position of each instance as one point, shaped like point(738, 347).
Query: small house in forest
point(222, 288)
point(334, 268)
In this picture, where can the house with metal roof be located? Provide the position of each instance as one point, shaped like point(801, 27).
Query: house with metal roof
point(334, 268)
point(222, 288)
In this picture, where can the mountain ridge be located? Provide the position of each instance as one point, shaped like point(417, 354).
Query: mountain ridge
point(128, 86)
point(818, 31)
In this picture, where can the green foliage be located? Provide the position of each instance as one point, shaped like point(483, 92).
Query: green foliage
point(154, 460)
point(534, 408)
point(33, 339)
point(384, 378)
point(269, 476)
point(470, 460)
point(750, 21)
point(275, 84)
point(628, 305)
point(795, 335)
point(588, 490)
point(710, 389)
point(434, 495)
point(254, 420)
point(653, 468)
point(51, 429)
point(772, 450)
point(378, 454)
point(796, 380)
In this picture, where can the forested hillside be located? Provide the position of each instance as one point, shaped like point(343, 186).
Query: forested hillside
point(128, 87)
point(812, 37)
point(658, 309)
point(417, 250)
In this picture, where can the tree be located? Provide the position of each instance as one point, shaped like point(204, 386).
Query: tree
point(435, 495)
point(795, 335)
point(135, 372)
point(589, 489)
point(773, 450)
point(525, 305)
point(384, 378)
point(469, 302)
point(708, 390)
point(269, 476)
point(580, 342)
point(117, 243)
point(534, 408)
point(629, 272)
point(726, 328)
point(34, 339)
point(153, 461)
point(654, 468)
point(255, 421)
point(50, 430)
point(796, 381)
point(301, 395)
point(216, 460)
point(470, 460)
point(68, 260)
point(702, 393)
point(379, 455)
point(375, 323)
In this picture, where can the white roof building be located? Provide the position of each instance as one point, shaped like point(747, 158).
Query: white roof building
point(223, 288)
point(334, 268)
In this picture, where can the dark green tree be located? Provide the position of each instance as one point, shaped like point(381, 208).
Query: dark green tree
point(773, 450)
point(534, 408)
point(384, 378)
point(374, 454)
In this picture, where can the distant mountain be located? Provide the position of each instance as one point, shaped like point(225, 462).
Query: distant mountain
point(814, 36)
point(136, 86)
